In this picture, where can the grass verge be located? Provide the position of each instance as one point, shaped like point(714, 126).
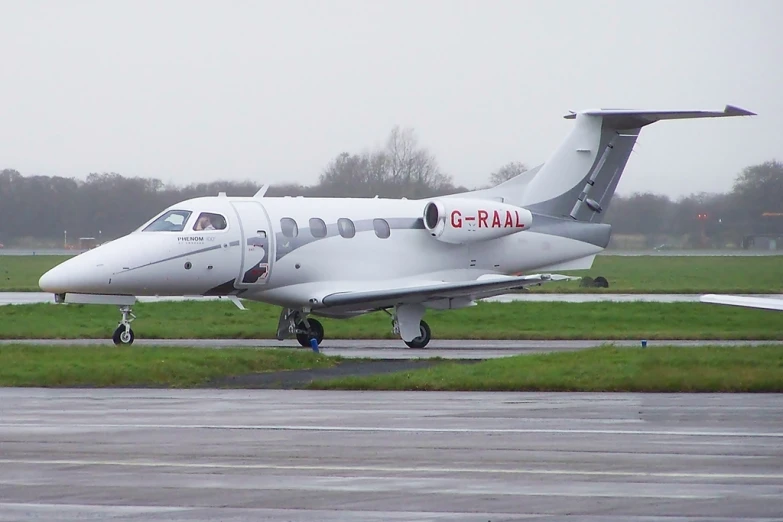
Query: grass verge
point(517, 320)
point(604, 369)
point(680, 275)
point(91, 366)
point(21, 273)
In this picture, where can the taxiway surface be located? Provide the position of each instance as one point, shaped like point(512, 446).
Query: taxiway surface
point(394, 348)
point(371, 456)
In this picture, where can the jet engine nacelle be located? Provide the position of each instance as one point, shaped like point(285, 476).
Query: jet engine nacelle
point(454, 220)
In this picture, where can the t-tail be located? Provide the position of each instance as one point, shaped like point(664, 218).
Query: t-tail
point(578, 181)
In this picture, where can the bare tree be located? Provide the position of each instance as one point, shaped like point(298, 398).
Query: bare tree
point(413, 168)
point(507, 171)
point(401, 169)
point(344, 175)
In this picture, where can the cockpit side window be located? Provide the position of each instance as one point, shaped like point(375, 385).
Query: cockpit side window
point(171, 221)
point(210, 221)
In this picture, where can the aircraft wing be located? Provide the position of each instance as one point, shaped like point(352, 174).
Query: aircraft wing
point(767, 303)
point(486, 286)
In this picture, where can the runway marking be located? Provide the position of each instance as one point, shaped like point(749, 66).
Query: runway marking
point(114, 508)
point(395, 429)
point(388, 469)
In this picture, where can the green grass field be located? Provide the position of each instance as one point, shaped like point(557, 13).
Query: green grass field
point(22, 365)
point(518, 320)
point(660, 369)
point(626, 274)
point(681, 275)
point(21, 273)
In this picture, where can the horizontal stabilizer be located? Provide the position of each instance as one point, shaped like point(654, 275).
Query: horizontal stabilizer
point(766, 303)
point(635, 118)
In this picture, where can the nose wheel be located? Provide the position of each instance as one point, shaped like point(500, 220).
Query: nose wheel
point(124, 334)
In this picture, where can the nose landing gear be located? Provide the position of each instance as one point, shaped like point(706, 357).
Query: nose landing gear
point(124, 334)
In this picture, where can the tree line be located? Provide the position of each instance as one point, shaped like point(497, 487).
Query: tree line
point(754, 206)
point(35, 210)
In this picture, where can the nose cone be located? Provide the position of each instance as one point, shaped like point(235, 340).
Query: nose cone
point(54, 281)
point(77, 275)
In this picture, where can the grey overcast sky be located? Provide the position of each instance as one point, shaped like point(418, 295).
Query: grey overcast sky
point(191, 90)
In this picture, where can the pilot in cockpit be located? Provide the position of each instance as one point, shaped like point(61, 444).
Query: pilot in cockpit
point(204, 223)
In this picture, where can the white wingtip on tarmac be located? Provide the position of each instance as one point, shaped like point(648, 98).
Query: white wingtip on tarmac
point(766, 303)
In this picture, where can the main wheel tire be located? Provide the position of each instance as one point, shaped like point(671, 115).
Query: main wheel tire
point(123, 336)
point(316, 331)
point(424, 337)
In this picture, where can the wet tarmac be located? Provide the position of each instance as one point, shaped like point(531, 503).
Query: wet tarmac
point(394, 349)
point(190, 456)
point(7, 298)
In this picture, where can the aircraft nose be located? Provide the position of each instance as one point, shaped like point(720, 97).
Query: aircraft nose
point(75, 276)
point(54, 281)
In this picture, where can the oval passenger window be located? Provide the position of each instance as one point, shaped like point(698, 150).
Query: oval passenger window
point(289, 227)
point(346, 227)
point(317, 227)
point(382, 229)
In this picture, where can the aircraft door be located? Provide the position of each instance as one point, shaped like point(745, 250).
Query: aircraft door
point(257, 244)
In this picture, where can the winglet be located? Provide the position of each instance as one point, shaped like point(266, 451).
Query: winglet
point(733, 110)
point(261, 191)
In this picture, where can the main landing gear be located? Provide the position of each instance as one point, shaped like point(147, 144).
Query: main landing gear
point(425, 334)
point(124, 334)
point(308, 329)
point(296, 323)
point(407, 323)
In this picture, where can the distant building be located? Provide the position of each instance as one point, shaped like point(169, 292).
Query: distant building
point(769, 234)
point(86, 243)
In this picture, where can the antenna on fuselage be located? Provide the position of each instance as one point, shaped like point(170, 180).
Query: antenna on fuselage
point(261, 191)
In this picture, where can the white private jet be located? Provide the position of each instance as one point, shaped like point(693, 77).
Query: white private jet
point(341, 258)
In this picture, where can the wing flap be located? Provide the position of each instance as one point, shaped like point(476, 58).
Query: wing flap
point(482, 287)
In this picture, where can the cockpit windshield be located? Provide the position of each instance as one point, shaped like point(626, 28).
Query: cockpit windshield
point(171, 221)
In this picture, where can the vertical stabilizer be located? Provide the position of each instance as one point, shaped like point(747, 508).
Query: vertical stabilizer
point(580, 178)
